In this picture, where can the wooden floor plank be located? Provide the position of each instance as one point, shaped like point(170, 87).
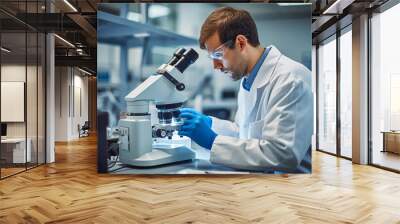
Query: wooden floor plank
point(70, 191)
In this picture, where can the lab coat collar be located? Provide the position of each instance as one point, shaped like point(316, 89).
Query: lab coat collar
point(267, 68)
point(253, 97)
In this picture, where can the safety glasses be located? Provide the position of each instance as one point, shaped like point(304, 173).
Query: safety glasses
point(218, 53)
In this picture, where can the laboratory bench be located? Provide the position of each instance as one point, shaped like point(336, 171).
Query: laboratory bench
point(200, 165)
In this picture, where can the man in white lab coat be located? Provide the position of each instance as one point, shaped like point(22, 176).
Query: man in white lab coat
point(274, 121)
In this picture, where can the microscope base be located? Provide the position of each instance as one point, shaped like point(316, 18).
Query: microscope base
point(160, 156)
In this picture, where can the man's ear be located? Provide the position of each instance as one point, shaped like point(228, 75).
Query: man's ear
point(241, 41)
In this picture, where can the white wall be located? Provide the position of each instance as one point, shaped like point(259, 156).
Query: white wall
point(33, 126)
point(79, 117)
point(12, 100)
point(17, 73)
point(14, 73)
point(314, 89)
point(70, 83)
point(61, 106)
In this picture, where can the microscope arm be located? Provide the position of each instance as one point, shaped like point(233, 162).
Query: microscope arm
point(156, 88)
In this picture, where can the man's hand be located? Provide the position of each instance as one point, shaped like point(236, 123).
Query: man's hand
point(197, 126)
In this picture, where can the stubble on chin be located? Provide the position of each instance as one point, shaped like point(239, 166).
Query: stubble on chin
point(235, 76)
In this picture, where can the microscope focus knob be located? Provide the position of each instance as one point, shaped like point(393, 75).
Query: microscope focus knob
point(161, 133)
point(180, 86)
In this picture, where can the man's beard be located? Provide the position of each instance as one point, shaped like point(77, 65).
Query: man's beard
point(238, 72)
point(235, 76)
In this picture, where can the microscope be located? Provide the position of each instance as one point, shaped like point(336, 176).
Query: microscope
point(137, 135)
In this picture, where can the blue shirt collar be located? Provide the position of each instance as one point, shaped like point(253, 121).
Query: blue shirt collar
point(248, 81)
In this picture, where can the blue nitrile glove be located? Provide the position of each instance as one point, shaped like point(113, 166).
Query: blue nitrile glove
point(206, 118)
point(197, 126)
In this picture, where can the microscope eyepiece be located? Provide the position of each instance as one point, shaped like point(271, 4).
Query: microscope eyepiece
point(177, 55)
point(188, 58)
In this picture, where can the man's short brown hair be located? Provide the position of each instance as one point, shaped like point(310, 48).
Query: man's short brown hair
point(228, 23)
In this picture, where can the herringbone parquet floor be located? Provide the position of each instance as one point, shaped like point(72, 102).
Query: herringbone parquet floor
point(70, 191)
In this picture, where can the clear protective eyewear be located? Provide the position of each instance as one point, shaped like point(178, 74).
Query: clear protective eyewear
point(218, 53)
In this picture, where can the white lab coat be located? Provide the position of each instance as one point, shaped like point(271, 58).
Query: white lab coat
point(274, 121)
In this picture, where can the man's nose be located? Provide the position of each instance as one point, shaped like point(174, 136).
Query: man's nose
point(218, 64)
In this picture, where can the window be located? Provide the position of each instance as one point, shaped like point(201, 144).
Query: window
point(327, 96)
point(385, 89)
point(314, 89)
point(346, 92)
